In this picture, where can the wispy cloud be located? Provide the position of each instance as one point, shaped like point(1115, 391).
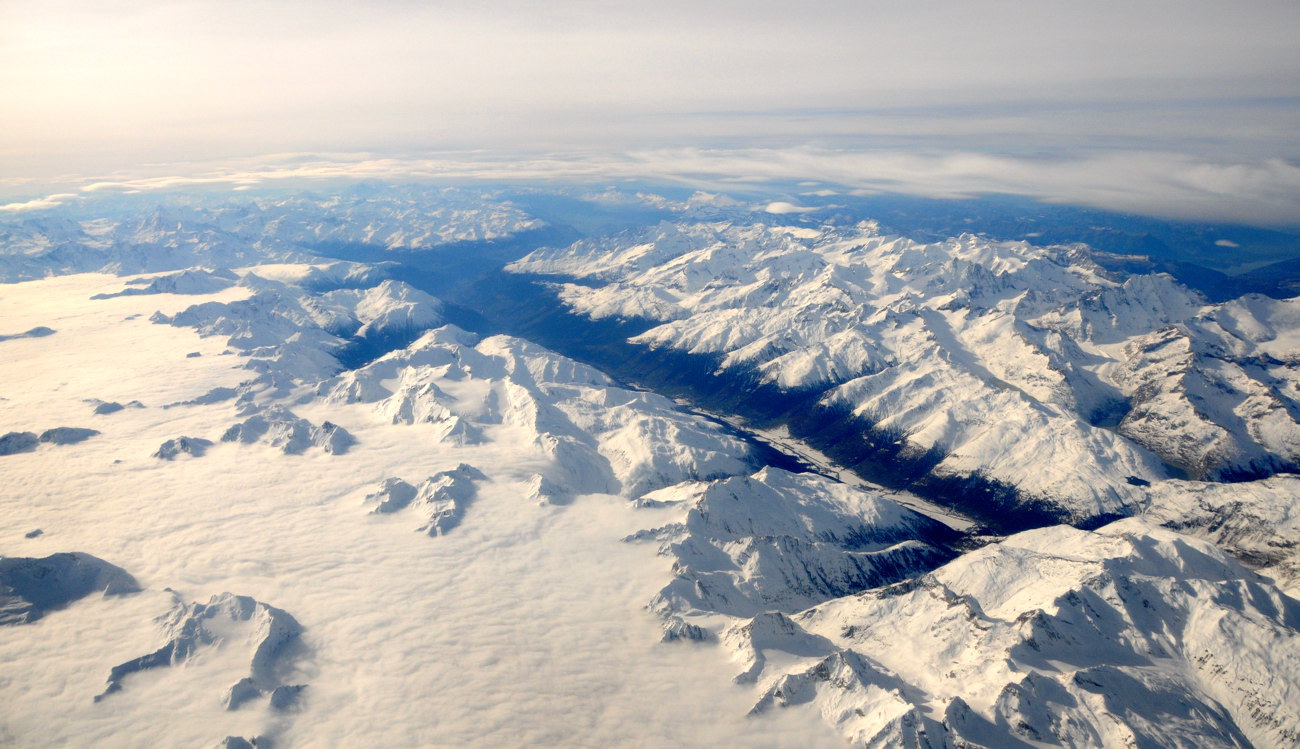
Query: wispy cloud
point(782, 207)
point(1171, 185)
point(49, 201)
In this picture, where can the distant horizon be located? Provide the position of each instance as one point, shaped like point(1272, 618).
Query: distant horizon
point(1164, 186)
point(1186, 110)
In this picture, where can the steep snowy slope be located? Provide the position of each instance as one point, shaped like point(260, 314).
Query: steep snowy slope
point(221, 622)
point(194, 281)
point(1028, 367)
point(831, 597)
point(1256, 521)
point(601, 438)
point(1130, 636)
point(292, 331)
point(778, 541)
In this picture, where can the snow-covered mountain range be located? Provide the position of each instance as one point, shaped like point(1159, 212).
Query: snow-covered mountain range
point(1127, 636)
point(326, 515)
point(199, 231)
point(1028, 367)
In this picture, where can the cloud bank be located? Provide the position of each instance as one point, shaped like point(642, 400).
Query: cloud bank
point(36, 204)
point(1187, 108)
point(1170, 185)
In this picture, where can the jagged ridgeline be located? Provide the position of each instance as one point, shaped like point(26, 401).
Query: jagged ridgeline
point(430, 438)
point(1020, 384)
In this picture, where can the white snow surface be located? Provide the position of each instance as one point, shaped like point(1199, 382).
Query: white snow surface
point(782, 541)
point(1014, 361)
point(190, 281)
point(1256, 521)
point(292, 333)
point(1129, 636)
point(602, 438)
point(523, 625)
point(495, 603)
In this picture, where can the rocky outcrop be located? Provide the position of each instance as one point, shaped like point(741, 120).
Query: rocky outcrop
point(280, 428)
point(103, 408)
point(178, 446)
point(29, 588)
point(441, 499)
point(67, 435)
point(40, 331)
point(261, 633)
point(23, 442)
point(13, 443)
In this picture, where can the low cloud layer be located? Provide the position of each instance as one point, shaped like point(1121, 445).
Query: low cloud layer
point(1170, 185)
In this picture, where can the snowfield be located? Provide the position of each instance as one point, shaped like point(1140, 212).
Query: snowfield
point(252, 496)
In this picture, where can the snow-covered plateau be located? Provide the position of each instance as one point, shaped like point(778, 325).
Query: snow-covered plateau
point(254, 496)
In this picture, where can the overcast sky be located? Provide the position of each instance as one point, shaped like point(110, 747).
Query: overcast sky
point(122, 86)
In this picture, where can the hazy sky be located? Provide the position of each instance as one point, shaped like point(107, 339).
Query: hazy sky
point(119, 85)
